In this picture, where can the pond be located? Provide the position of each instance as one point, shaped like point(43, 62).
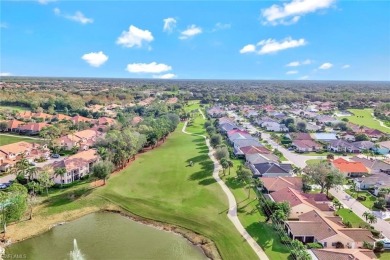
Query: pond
point(105, 236)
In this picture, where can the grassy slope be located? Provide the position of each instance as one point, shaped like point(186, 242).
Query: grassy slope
point(366, 119)
point(348, 215)
point(6, 139)
point(160, 185)
point(14, 108)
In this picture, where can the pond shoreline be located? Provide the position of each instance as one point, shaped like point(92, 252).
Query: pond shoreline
point(207, 246)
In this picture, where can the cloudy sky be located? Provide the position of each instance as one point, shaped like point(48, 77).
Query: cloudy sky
point(291, 39)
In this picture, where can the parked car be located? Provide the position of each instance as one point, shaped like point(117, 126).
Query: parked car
point(55, 155)
point(3, 186)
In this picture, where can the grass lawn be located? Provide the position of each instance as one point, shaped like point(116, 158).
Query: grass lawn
point(252, 219)
point(192, 105)
point(370, 199)
point(14, 108)
point(365, 117)
point(384, 255)
point(160, 185)
point(6, 139)
point(313, 161)
point(348, 215)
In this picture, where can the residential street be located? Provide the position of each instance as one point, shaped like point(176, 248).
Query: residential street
point(359, 209)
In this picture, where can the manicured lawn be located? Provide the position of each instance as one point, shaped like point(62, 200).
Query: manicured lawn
point(252, 219)
point(14, 108)
point(6, 139)
point(365, 117)
point(161, 185)
point(313, 161)
point(370, 199)
point(348, 215)
point(384, 255)
point(192, 105)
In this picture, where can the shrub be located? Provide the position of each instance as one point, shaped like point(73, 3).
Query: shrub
point(368, 245)
point(361, 198)
point(314, 245)
point(348, 224)
point(285, 240)
point(375, 233)
point(379, 245)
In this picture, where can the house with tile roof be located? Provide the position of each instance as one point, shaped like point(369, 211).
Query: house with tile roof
point(301, 203)
point(306, 146)
point(105, 121)
point(373, 165)
point(272, 184)
point(350, 169)
point(342, 254)
point(77, 166)
point(61, 117)
point(13, 125)
point(316, 226)
point(257, 158)
point(271, 169)
point(31, 128)
point(78, 119)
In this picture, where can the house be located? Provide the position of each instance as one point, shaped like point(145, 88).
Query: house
point(226, 127)
point(254, 149)
point(312, 127)
point(299, 136)
point(88, 138)
point(374, 133)
point(77, 166)
point(67, 142)
point(30, 151)
point(375, 166)
point(364, 145)
point(61, 117)
point(343, 254)
point(257, 158)
point(341, 146)
point(42, 115)
point(348, 137)
point(324, 137)
point(385, 144)
point(105, 121)
point(26, 115)
point(271, 169)
point(31, 128)
point(216, 112)
point(350, 169)
point(238, 143)
point(224, 120)
point(376, 182)
point(172, 100)
point(275, 127)
point(316, 226)
point(272, 184)
point(326, 120)
point(78, 119)
point(13, 125)
point(300, 202)
point(306, 145)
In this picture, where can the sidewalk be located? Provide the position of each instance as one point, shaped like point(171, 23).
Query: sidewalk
point(359, 209)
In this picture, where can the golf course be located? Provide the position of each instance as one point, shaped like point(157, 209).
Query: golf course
point(366, 118)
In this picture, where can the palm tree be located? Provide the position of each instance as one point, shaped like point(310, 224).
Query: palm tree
point(372, 219)
point(366, 215)
point(224, 165)
point(102, 152)
point(60, 171)
point(21, 168)
point(337, 204)
point(230, 163)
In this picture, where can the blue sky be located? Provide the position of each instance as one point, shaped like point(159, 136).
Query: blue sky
point(292, 39)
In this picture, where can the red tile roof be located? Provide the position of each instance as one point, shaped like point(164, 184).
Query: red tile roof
point(345, 166)
point(279, 183)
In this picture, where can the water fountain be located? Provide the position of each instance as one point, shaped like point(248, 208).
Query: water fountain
point(76, 254)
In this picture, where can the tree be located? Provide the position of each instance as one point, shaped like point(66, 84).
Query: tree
point(103, 153)
point(372, 219)
point(301, 126)
point(361, 137)
point(21, 168)
point(210, 129)
point(337, 204)
point(3, 126)
point(380, 203)
point(45, 181)
point(60, 171)
point(366, 214)
point(330, 156)
point(324, 175)
point(215, 140)
point(224, 165)
point(244, 175)
point(221, 152)
point(101, 170)
point(230, 163)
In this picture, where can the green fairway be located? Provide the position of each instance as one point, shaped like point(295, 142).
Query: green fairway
point(364, 117)
point(161, 185)
point(348, 215)
point(7, 139)
point(17, 108)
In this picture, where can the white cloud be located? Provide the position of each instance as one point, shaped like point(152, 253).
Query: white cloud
point(346, 66)
point(248, 48)
point(326, 66)
point(5, 74)
point(304, 77)
point(77, 17)
point(134, 37)
point(299, 63)
point(153, 67)
point(169, 24)
point(44, 2)
point(191, 31)
point(95, 59)
point(165, 76)
point(4, 25)
point(291, 72)
point(271, 45)
point(291, 12)
point(221, 26)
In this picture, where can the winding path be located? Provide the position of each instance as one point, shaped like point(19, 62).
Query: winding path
point(232, 213)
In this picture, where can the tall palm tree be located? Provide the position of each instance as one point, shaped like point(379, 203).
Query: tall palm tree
point(230, 163)
point(21, 168)
point(372, 219)
point(366, 215)
point(60, 171)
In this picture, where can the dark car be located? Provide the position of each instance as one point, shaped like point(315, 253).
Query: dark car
point(55, 155)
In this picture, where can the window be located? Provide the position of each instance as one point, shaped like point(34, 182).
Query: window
point(334, 244)
point(325, 244)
